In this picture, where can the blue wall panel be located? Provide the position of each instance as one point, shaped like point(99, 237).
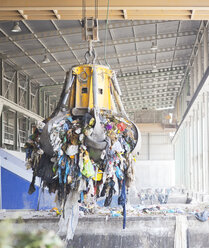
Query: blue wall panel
point(15, 192)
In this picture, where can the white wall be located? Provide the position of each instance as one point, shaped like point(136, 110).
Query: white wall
point(156, 146)
point(155, 167)
point(155, 174)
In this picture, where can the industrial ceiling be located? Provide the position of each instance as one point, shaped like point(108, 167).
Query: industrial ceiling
point(151, 58)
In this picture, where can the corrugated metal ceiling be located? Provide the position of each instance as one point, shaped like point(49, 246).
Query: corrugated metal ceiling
point(128, 52)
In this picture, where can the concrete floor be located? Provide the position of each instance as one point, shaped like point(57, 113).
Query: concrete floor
point(147, 230)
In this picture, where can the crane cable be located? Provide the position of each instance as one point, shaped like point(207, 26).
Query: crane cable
point(106, 27)
point(96, 9)
point(84, 9)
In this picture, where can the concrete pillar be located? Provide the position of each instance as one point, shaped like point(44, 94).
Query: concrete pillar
point(188, 161)
point(205, 42)
point(199, 59)
point(200, 144)
point(205, 142)
point(195, 149)
point(191, 152)
point(148, 146)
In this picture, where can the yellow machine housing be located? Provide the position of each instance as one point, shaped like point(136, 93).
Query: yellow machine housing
point(90, 89)
point(83, 88)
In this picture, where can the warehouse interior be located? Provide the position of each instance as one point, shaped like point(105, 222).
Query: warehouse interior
point(160, 54)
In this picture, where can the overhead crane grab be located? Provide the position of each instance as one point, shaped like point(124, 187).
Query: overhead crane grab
point(87, 145)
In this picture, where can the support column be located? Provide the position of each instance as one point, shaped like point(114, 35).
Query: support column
point(205, 48)
point(205, 142)
point(195, 150)
point(48, 105)
point(43, 103)
point(16, 130)
point(29, 95)
point(207, 137)
point(28, 127)
point(191, 82)
point(1, 93)
point(195, 74)
point(0, 187)
point(148, 146)
point(188, 161)
point(1, 77)
point(199, 56)
point(191, 153)
point(17, 88)
point(38, 102)
point(200, 146)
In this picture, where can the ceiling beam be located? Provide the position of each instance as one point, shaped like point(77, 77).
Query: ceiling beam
point(119, 66)
point(148, 73)
point(18, 46)
point(114, 4)
point(109, 43)
point(190, 62)
point(77, 30)
point(145, 75)
point(136, 94)
point(109, 56)
point(69, 10)
point(149, 62)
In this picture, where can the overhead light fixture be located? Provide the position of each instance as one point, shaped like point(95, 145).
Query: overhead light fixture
point(154, 68)
point(154, 46)
point(16, 28)
point(46, 60)
point(165, 108)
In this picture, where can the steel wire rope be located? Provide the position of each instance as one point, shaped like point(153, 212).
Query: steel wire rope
point(106, 26)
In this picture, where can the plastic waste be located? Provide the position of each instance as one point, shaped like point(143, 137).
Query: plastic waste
point(71, 165)
point(115, 214)
point(203, 216)
point(99, 175)
point(72, 150)
point(88, 169)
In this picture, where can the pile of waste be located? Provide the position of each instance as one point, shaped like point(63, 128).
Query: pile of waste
point(154, 196)
point(200, 211)
point(76, 166)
